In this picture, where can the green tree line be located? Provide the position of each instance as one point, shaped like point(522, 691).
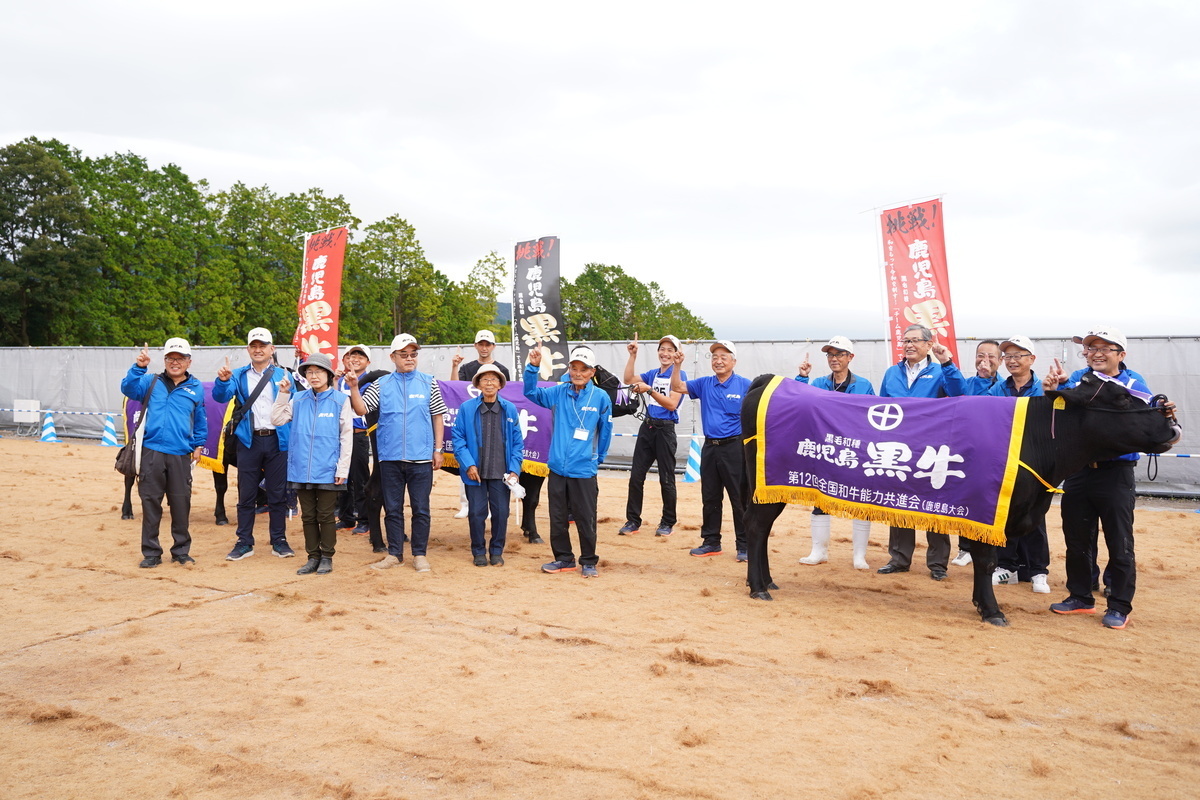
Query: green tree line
point(108, 251)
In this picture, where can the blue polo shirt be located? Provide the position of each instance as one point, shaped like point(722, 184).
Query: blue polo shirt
point(660, 381)
point(720, 404)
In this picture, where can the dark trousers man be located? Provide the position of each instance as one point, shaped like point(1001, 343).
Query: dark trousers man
point(532, 484)
point(656, 443)
point(352, 508)
point(1103, 495)
point(575, 497)
point(170, 476)
point(722, 467)
point(1027, 555)
point(903, 541)
point(493, 495)
point(415, 477)
point(262, 461)
point(373, 500)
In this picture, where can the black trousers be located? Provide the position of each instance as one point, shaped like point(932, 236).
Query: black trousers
point(166, 475)
point(575, 497)
point(903, 541)
point(723, 469)
point(1101, 496)
point(1027, 555)
point(656, 443)
point(352, 506)
point(262, 461)
point(533, 495)
point(373, 502)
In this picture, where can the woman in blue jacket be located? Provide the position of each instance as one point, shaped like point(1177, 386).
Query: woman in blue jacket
point(319, 450)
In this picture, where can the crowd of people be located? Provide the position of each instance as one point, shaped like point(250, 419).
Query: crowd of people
point(358, 449)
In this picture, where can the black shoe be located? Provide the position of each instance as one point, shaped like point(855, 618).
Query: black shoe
point(326, 565)
point(481, 560)
point(497, 560)
point(888, 569)
point(150, 561)
point(378, 548)
point(309, 567)
point(183, 560)
point(937, 574)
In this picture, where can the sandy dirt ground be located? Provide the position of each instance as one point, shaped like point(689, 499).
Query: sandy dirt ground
point(659, 679)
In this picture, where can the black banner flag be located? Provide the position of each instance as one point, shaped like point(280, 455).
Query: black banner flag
point(537, 307)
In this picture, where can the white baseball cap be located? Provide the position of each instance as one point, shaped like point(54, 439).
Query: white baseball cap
point(673, 340)
point(488, 369)
point(725, 343)
point(1018, 341)
point(177, 345)
point(402, 341)
point(1106, 333)
point(485, 336)
point(584, 355)
point(259, 335)
point(839, 343)
point(360, 348)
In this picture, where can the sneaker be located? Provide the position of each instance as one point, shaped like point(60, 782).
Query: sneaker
point(150, 561)
point(962, 560)
point(1041, 584)
point(628, 529)
point(559, 566)
point(590, 571)
point(239, 552)
point(1112, 619)
point(1072, 606)
point(185, 560)
point(361, 530)
point(387, 562)
point(706, 550)
point(283, 551)
point(1003, 576)
point(741, 555)
point(420, 563)
point(663, 530)
point(344, 524)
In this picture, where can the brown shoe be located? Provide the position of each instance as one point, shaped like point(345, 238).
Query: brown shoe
point(387, 562)
point(420, 564)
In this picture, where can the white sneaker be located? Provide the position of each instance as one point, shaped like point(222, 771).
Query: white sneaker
point(963, 560)
point(1003, 576)
point(1041, 584)
point(462, 512)
point(387, 562)
point(420, 564)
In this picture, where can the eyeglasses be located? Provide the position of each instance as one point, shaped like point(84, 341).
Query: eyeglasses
point(838, 354)
point(177, 359)
point(405, 355)
point(1091, 350)
point(913, 341)
point(1015, 356)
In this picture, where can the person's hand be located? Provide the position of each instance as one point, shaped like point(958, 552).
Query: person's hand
point(632, 347)
point(941, 352)
point(535, 356)
point(338, 481)
point(196, 454)
point(678, 358)
point(285, 385)
point(223, 371)
point(351, 380)
point(805, 367)
point(143, 356)
point(1055, 377)
point(455, 360)
point(437, 459)
point(338, 373)
point(473, 473)
point(639, 388)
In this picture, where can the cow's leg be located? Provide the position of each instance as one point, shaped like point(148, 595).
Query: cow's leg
point(127, 503)
point(221, 485)
point(983, 559)
point(759, 518)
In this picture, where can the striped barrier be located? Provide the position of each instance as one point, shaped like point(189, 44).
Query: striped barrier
point(48, 432)
point(109, 437)
point(691, 473)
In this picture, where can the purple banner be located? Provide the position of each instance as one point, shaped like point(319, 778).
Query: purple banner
point(535, 421)
point(211, 455)
point(945, 464)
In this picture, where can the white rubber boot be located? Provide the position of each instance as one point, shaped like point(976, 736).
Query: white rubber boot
point(819, 525)
point(463, 506)
point(860, 533)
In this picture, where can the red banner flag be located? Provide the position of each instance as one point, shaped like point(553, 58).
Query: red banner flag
point(915, 275)
point(321, 293)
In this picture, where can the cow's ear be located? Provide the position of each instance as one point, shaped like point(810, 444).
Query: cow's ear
point(1075, 396)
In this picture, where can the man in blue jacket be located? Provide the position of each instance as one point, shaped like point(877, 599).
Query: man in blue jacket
point(261, 445)
point(489, 447)
point(919, 375)
point(579, 440)
point(170, 440)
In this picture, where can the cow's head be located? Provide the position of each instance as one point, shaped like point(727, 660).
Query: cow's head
point(1116, 422)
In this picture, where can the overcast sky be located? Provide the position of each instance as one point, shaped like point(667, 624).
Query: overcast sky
point(736, 153)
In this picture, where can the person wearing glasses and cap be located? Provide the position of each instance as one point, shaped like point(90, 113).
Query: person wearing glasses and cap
point(1027, 555)
point(261, 445)
point(656, 440)
point(722, 464)
point(409, 435)
point(918, 374)
point(579, 439)
point(987, 371)
point(170, 442)
point(1102, 492)
point(839, 352)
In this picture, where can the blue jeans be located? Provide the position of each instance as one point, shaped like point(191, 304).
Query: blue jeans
point(490, 493)
point(417, 477)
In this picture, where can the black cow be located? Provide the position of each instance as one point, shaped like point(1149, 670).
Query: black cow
point(1101, 420)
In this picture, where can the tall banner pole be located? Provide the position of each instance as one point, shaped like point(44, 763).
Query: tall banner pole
point(319, 305)
point(915, 273)
point(537, 307)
